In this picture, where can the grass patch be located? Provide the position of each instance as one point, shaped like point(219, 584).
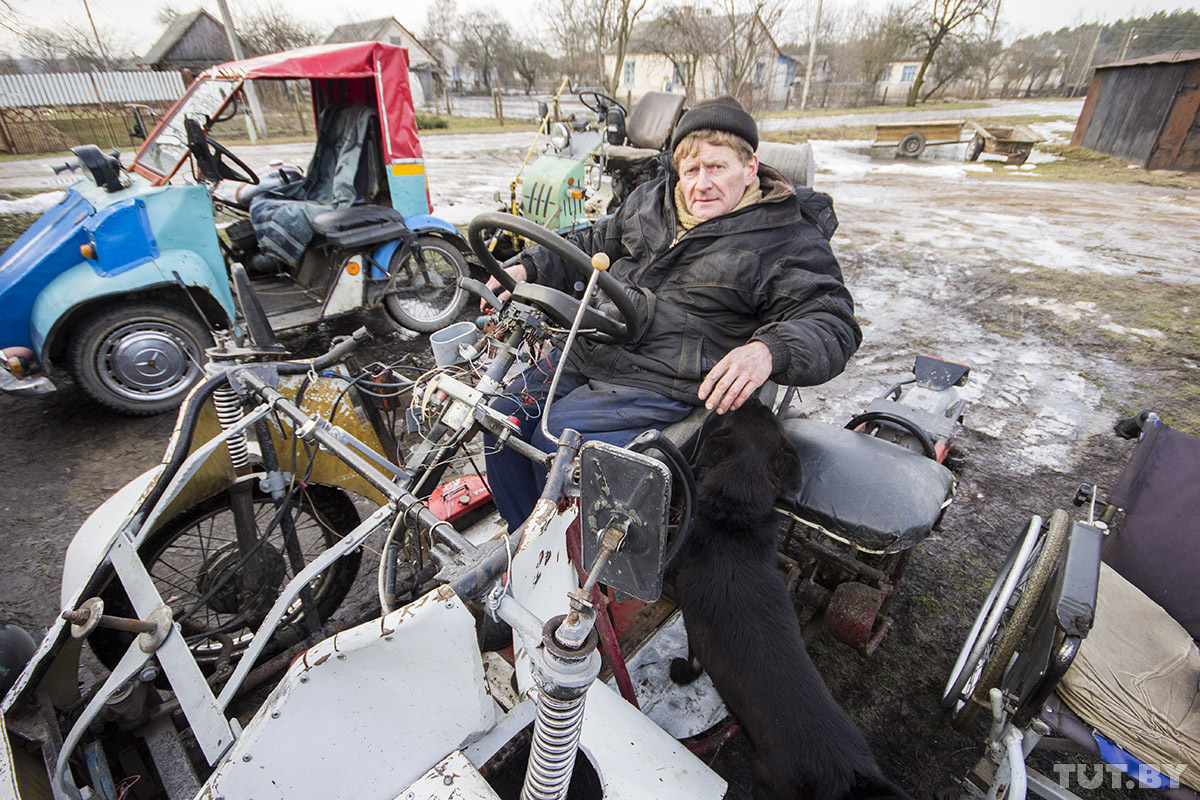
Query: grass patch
point(12, 226)
point(427, 122)
point(453, 124)
point(1080, 164)
point(793, 113)
point(831, 133)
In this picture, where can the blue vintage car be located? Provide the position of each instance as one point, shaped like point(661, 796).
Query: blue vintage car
point(122, 281)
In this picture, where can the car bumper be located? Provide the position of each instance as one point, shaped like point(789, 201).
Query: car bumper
point(11, 384)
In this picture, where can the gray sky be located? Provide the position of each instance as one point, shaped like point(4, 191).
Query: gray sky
point(140, 29)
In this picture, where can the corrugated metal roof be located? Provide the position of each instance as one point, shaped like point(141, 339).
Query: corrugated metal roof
point(88, 88)
point(1173, 57)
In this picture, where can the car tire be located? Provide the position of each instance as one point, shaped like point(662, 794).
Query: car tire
point(912, 145)
point(140, 358)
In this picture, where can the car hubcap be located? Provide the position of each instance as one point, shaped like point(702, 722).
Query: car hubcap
point(147, 360)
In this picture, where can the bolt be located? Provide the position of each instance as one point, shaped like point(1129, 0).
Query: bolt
point(341, 656)
point(274, 715)
point(247, 757)
point(448, 780)
point(304, 679)
point(148, 674)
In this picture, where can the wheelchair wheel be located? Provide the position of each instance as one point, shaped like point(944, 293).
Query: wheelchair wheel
point(1003, 619)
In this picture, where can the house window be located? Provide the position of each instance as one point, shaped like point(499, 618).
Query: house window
point(759, 70)
point(791, 72)
point(909, 75)
point(887, 74)
point(628, 78)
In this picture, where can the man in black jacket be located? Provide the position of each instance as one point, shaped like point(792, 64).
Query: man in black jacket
point(733, 280)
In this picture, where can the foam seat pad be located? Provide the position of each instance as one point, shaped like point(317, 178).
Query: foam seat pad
point(877, 495)
point(1136, 680)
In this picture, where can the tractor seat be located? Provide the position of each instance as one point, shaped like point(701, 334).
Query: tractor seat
point(871, 493)
point(624, 158)
point(648, 131)
point(358, 226)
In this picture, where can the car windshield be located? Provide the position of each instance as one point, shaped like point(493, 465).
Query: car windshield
point(168, 146)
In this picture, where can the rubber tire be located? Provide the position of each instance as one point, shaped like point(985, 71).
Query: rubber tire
point(794, 161)
point(974, 148)
point(911, 145)
point(107, 389)
point(336, 516)
point(449, 264)
point(1013, 630)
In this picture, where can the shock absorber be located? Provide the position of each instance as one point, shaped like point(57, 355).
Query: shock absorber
point(563, 676)
point(229, 412)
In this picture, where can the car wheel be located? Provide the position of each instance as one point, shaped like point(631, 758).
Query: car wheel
point(912, 145)
point(139, 359)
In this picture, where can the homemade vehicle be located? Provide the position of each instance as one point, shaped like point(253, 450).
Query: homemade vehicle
point(1086, 640)
point(202, 587)
point(594, 162)
point(121, 280)
point(1015, 142)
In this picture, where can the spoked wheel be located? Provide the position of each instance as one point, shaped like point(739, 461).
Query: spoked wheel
point(1003, 619)
point(195, 563)
point(425, 295)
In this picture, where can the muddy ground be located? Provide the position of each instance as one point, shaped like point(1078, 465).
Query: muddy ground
point(1073, 302)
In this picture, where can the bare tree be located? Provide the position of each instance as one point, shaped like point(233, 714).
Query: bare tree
point(624, 14)
point(943, 19)
point(529, 62)
point(744, 31)
point(487, 41)
point(573, 39)
point(67, 48)
point(684, 38)
point(273, 29)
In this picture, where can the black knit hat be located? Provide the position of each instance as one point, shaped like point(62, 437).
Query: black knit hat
point(723, 113)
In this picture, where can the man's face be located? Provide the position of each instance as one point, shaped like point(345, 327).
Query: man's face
point(713, 180)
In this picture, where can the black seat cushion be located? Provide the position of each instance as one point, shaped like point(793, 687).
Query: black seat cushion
point(875, 494)
point(359, 226)
point(653, 119)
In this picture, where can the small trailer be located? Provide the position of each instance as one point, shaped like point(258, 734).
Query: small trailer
point(911, 138)
point(1015, 142)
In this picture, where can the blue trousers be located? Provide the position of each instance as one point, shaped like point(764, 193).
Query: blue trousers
point(603, 411)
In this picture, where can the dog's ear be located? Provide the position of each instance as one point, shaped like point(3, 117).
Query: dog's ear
point(715, 448)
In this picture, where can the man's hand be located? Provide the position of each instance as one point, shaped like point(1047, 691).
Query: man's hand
point(736, 376)
point(517, 271)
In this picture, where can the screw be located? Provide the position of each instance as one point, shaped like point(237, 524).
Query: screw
point(247, 757)
point(448, 780)
point(304, 679)
point(148, 674)
point(341, 656)
point(274, 715)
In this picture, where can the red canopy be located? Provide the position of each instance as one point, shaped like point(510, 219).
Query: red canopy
point(387, 63)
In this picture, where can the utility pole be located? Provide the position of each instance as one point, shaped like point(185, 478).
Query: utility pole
point(99, 44)
point(812, 51)
point(235, 44)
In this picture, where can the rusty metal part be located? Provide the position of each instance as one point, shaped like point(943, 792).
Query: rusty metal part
point(851, 613)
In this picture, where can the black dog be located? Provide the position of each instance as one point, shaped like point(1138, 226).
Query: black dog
point(742, 627)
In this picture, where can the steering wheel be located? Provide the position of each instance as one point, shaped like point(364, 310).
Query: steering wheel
point(560, 305)
point(601, 100)
point(210, 156)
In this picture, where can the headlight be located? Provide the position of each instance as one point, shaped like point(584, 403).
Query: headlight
point(560, 135)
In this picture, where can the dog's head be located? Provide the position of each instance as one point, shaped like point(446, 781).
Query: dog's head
point(747, 461)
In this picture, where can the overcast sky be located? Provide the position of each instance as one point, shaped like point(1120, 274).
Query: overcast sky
point(140, 30)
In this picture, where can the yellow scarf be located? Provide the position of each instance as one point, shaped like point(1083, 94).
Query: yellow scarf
point(687, 221)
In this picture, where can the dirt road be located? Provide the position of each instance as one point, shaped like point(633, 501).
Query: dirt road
point(1051, 291)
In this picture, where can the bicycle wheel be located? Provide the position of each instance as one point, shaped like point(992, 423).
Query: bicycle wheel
point(426, 297)
point(1002, 622)
point(194, 562)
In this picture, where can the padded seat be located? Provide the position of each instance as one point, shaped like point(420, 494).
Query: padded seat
point(623, 157)
point(873, 494)
point(359, 226)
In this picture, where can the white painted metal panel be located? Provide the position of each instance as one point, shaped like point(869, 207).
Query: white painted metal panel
point(367, 712)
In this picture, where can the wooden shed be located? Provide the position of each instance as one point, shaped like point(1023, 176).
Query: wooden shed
point(192, 41)
point(1146, 110)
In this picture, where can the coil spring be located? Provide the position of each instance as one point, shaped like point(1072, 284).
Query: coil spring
point(555, 743)
point(229, 413)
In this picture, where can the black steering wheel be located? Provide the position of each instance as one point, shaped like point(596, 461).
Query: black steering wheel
point(559, 305)
point(600, 102)
point(210, 156)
